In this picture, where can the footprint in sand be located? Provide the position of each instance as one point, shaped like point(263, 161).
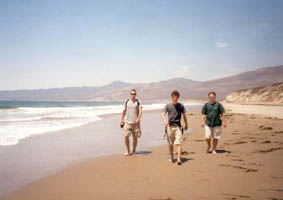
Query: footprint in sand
point(199, 140)
point(238, 167)
point(265, 128)
point(235, 196)
point(266, 142)
point(241, 142)
point(239, 160)
point(268, 150)
point(278, 132)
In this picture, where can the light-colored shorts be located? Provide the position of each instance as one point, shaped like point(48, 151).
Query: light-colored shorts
point(214, 132)
point(132, 129)
point(174, 135)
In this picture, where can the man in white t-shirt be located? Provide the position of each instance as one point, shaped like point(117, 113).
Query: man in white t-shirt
point(130, 121)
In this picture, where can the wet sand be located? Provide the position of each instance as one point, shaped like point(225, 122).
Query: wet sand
point(41, 155)
point(248, 165)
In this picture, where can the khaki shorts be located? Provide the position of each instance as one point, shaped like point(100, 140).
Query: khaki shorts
point(174, 135)
point(214, 132)
point(132, 129)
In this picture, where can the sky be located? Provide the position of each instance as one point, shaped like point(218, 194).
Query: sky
point(66, 43)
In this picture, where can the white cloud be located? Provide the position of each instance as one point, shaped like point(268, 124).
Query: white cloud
point(182, 71)
point(221, 44)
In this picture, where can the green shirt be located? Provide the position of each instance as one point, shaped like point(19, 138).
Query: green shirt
point(213, 112)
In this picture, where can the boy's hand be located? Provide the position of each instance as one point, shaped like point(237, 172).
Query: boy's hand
point(186, 127)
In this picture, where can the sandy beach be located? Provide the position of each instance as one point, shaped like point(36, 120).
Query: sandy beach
point(248, 165)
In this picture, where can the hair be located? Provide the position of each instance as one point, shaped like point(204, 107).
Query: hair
point(133, 90)
point(211, 92)
point(175, 93)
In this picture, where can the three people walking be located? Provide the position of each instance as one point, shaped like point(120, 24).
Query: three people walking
point(212, 120)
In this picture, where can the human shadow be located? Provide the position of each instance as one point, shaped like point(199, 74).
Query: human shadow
point(183, 160)
point(143, 152)
point(186, 159)
point(221, 151)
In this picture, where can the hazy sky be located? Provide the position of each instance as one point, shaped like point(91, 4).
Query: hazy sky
point(58, 43)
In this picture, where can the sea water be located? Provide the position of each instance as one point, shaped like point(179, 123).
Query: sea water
point(21, 119)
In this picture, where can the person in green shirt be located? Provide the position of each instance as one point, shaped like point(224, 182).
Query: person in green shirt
point(212, 120)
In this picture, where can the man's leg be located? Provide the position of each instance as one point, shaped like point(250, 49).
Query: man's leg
point(179, 152)
point(208, 135)
point(216, 136)
point(171, 148)
point(208, 141)
point(127, 142)
point(215, 142)
point(135, 142)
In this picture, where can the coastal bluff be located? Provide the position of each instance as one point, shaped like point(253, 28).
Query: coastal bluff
point(269, 94)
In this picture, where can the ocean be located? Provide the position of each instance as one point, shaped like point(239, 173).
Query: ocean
point(37, 157)
point(21, 119)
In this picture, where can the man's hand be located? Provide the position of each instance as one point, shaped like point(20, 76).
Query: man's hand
point(166, 123)
point(186, 127)
point(138, 121)
point(224, 124)
point(202, 124)
point(121, 122)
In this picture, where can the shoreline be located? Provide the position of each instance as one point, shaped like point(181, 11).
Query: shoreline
point(143, 168)
point(42, 155)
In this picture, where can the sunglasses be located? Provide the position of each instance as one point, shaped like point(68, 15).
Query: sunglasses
point(133, 94)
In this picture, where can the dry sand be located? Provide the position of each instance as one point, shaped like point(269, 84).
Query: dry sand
point(248, 165)
point(270, 110)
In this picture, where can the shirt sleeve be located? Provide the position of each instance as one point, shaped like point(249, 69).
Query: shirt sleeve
point(183, 109)
point(221, 109)
point(165, 109)
point(204, 110)
point(140, 106)
point(125, 105)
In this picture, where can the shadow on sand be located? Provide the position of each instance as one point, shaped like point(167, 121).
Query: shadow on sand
point(143, 152)
point(221, 151)
point(186, 159)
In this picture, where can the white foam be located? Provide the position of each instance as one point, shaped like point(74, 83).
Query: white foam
point(22, 122)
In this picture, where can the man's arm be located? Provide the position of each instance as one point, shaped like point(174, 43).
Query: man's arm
point(139, 116)
point(122, 117)
point(164, 119)
point(223, 120)
point(185, 120)
point(203, 117)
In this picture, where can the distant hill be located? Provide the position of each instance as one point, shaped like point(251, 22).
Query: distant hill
point(249, 79)
point(155, 91)
point(265, 94)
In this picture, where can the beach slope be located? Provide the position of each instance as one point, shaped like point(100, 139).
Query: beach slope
point(248, 165)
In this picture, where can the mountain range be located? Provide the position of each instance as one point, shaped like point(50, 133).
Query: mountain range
point(155, 91)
